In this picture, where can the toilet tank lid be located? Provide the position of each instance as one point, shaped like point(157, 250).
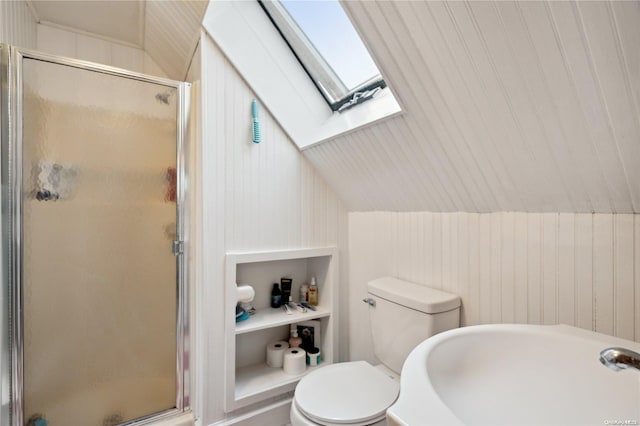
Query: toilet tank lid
point(414, 296)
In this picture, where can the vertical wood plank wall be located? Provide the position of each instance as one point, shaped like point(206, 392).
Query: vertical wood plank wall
point(511, 106)
point(17, 25)
point(254, 197)
point(535, 268)
point(70, 44)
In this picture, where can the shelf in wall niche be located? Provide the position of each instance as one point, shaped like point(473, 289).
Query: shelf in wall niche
point(268, 256)
point(248, 380)
point(257, 379)
point(267, 318)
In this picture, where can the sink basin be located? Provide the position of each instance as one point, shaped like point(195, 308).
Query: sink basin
point(516, 375)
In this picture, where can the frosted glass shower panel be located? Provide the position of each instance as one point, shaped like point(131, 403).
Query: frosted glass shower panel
point(99, 277)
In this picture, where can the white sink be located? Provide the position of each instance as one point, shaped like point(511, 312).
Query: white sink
point(516, 375)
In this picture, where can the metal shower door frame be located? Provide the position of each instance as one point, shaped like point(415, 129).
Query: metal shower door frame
point(11, 333)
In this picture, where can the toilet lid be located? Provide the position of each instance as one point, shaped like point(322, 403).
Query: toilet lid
point(348, 392)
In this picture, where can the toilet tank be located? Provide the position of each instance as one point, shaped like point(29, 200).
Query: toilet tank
point(405, 314)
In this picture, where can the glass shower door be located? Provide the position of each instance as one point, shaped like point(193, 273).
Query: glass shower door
point(100, 287)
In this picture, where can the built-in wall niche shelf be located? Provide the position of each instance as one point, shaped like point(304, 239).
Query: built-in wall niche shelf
point(267, 318)
point(253, 380)
point(248, 378)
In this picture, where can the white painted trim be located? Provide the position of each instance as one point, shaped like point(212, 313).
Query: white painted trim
point(384, 103)
point(196, 241)
point(253, 45)
point(277, 385)
point(193, 55)
point(266, 256)
point(263, 411)
point(142, 6)
point(33, 11)
point(195, 43)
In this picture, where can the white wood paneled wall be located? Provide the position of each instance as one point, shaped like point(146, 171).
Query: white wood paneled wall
point(17, 25)
point(70, 44)
point(576, 269)
point(510, 106)
point(254, 197)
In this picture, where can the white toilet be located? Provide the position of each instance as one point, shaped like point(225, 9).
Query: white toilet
point(356, 393)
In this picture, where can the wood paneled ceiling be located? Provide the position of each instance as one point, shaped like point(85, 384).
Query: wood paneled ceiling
point(510, 106)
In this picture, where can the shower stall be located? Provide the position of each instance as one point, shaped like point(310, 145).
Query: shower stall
point(94, 301)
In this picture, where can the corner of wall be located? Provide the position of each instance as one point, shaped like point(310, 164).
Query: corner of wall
point(71, 44)
point(17, 24)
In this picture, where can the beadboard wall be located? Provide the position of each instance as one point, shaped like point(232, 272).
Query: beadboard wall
point(70, 44)
point(576, 269)
point(17, 25)
point(255, 197)
point(19, 28)
point(525, 106)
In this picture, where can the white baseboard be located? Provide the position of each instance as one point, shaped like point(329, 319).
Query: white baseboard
point(274, 414)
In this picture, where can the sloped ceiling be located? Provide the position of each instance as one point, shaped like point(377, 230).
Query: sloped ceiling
point(168, 30)
point(172, 30)
point(510, 106)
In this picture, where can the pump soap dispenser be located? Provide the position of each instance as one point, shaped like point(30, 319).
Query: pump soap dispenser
point(294, 341)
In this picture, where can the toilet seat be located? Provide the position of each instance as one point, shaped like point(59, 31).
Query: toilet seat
point(346, 393)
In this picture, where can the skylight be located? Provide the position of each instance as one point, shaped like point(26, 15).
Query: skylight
point(330, 50)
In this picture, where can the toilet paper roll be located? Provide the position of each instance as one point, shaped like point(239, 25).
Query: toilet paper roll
point(245, 293)
point(294, 361)
point(275, 353)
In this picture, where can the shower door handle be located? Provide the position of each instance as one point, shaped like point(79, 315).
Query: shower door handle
point(177, 247)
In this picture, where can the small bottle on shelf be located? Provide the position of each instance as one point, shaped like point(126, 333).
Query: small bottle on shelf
point(304, 293)
point(313, 292)
point(294, 341)
point(276, 296)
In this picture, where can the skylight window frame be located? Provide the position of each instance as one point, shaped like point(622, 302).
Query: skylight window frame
point(325, 79)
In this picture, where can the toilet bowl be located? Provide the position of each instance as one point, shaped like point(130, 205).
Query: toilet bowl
point(356, 393)
point(349, 393)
